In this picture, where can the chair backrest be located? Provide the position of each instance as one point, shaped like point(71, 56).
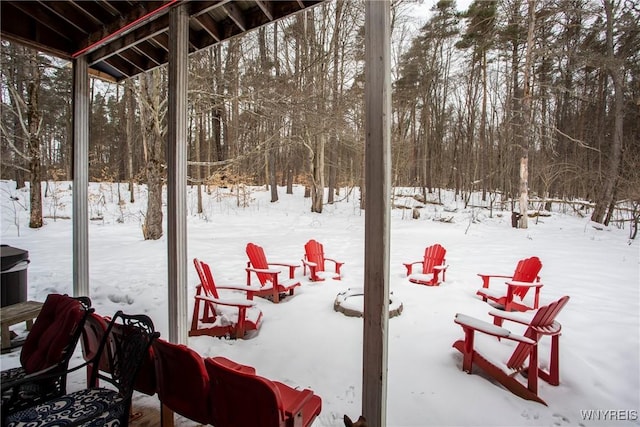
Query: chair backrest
point(314, 252)
point(542, 320)
point(433, 256)
point(92, 335)
point(124, 347)
point(211, 284)
point(241, 398)
point(258, 260)
point(206, 278)
point(183, 381)
point(526, 271)
point(55, 333)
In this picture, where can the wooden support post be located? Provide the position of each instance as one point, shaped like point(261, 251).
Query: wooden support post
point(177, 174)
point(80, 198)
point(377, 207)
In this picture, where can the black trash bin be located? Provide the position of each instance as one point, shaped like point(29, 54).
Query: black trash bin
point(14, 275)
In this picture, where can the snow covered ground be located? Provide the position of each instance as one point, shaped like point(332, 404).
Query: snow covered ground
point(304, 342)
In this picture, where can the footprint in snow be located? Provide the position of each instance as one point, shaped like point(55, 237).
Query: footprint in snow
point(120, 299)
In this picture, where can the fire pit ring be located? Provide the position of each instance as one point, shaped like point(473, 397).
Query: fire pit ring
point(351, 303)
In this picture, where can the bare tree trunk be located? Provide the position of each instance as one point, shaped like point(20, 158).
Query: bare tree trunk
point(198, 172)
point(335, 102)
point(152, 120)
point(130, 118)
point(616, 72)
point(33, 125)
point(526, 111)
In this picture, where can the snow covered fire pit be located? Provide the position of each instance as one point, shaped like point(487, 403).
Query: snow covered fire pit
point(351, 303)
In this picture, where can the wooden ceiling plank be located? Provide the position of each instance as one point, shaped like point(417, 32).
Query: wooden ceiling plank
point(139, 61)
point(158, 56)
point(198, 8)
point(66, 12)
point(40, 14)
point(236, 15)
point(95, 11)
point(20, 28)
point(162, 39)
point(124, 67)
point(152, 29)
point(210, 26)
point(266, 8)
point(127, 17)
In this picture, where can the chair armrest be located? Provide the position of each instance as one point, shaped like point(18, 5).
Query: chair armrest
point(487, 277)
point(295, 406)
point(263, 270)
point(523, 318)
point(292, 267)
point(409, 266)
point(243, 288)
point(284, 264)
point(235, 365)
point(50, 372)
point(525, 284)
point(309, 263)
point(489, 328)
point(440, 267)
point(229, 302)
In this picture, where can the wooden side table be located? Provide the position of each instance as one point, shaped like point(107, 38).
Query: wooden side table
point(16, 313)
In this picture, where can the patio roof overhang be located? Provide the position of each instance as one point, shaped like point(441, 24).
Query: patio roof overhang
point(121, 39)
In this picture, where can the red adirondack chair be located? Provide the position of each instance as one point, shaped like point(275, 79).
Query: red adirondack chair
point(524, 358)
point(314, 259)
point(272, 287)
point(432, 264)
point(240, 398)
point(183, 382)
point(219, 316)
point(524, 278)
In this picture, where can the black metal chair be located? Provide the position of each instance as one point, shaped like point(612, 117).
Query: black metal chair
point(45, 354)
point(125, 344)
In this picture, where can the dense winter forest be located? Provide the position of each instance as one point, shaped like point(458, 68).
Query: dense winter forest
point(540, 92)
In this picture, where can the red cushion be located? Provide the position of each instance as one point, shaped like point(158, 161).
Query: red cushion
point(52, 331)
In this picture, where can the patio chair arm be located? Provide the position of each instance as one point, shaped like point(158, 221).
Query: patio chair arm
point(409, 266)
point(263, 270)
point(472, 323)
point(243, 288)
point(50, 372)
point(295, 407)
point(309, 263)
point(524, 284)
point(228, 302)
point(523, 318)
